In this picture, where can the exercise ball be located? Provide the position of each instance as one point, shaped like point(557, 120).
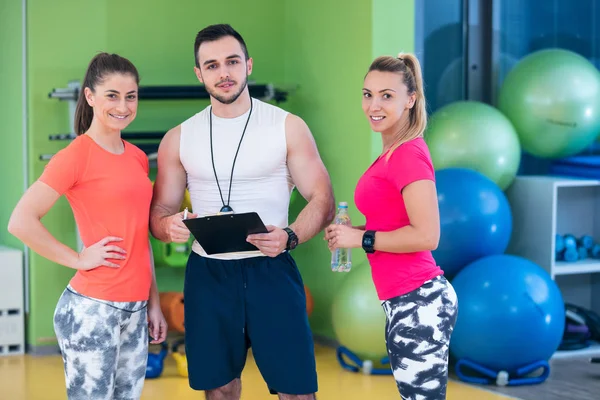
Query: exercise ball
point(475, 218)
point(552, 97)
point(511, 313)
point(358, 318)
point(309, 301)
point(474, 135)
point(187, 201)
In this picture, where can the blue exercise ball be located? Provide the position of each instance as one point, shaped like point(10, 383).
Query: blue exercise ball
point(475, 218)
point(511, 314)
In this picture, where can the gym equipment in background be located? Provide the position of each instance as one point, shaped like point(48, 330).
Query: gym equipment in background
point(310, 303)
point(570, 249)
point(170, 254)
point(474, 135)
point(358, 319)
point(179, 357)
point(155, 364)
point(171, 305)
point(511, 320)
point(584, 165)
point(552, 97)
point(475, 219)
point(365, 366)
point(265, 92)
point(582, 326)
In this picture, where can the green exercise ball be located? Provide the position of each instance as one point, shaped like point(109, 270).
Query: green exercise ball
point(357, 316)
point(474, 135)
point(552, 97)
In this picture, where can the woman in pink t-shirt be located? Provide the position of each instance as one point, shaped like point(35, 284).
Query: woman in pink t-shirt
point(397, 196)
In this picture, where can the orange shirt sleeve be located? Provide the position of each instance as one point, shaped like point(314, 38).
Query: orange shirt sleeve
point(63, 170)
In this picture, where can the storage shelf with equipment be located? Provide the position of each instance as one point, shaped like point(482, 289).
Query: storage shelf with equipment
point(546, 209)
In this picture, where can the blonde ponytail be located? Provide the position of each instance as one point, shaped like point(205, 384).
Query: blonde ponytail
point(408, 65)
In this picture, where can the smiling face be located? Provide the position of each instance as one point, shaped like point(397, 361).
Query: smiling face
point(223, 68)
point(386, 100)
point(114, 101)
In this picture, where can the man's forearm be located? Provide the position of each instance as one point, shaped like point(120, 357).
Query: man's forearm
point(316, 215)
point(158, 219)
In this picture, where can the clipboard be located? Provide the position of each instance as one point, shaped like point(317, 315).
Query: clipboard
point(225, 233)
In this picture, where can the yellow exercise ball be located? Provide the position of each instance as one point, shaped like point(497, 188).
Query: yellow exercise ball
point(187, 201)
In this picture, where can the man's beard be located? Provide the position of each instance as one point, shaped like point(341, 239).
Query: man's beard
point(233, 97)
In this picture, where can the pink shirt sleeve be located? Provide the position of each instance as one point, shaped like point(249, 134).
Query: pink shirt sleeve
point(409, 163)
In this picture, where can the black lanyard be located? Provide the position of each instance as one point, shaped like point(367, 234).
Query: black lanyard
point(226, 207)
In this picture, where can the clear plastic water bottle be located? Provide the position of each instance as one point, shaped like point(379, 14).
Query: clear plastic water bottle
point(341, 259)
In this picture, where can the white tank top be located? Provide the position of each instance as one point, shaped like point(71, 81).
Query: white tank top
point(261, 180)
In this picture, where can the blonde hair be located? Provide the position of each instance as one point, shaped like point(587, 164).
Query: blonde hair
point(408, 65)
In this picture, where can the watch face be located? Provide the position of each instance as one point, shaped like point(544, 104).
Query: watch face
point(294, 243)
point(368, 241)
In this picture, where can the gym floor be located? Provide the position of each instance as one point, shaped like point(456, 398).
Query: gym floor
point(41, 378)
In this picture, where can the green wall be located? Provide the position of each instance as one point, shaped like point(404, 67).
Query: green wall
point(393, 32)
point(319, 47)
point(159, 39)
point(327, 54)
point(11, 113)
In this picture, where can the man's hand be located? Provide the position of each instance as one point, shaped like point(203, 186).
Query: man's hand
point(271, 244)
point(176, 229)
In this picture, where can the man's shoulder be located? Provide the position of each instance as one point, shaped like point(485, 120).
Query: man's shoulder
point(173, 134)
point(270, 109)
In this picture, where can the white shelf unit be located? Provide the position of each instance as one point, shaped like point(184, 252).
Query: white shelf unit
point(543, 206)
point(12, 318)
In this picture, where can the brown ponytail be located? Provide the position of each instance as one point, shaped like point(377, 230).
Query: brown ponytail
point(99, 68)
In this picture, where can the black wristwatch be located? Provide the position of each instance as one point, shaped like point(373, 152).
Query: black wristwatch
point(368, 242)
point(292, 241)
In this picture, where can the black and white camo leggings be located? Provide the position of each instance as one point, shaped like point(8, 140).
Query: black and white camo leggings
point(419, 325)
point(104, 346)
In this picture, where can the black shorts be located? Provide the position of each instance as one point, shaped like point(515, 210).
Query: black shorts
point(258, 302)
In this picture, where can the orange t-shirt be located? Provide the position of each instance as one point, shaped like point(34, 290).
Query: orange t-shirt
point(110, 195)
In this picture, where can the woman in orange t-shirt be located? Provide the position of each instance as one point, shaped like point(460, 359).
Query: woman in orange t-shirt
point(103, 318)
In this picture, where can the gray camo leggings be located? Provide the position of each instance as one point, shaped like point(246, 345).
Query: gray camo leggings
point(419, 326)
point(104, 346)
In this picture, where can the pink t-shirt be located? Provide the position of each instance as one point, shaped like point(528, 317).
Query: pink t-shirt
point(378, 197)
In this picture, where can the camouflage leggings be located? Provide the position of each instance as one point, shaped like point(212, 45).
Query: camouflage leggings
point(418, 330)
point(104, 346)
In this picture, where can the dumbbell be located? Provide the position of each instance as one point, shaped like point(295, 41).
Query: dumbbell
point(585, 246)
point(566, 248)
point(595, 252)
point(155, 364)
point(570, 249)
point(586, 241)
point(180, 358)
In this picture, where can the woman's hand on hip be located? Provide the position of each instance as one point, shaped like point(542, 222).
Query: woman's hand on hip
point(99, 255)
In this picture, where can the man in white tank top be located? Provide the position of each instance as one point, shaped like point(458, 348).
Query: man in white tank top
point(242, 155)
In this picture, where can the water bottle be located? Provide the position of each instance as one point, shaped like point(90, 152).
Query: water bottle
point(341, 259)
